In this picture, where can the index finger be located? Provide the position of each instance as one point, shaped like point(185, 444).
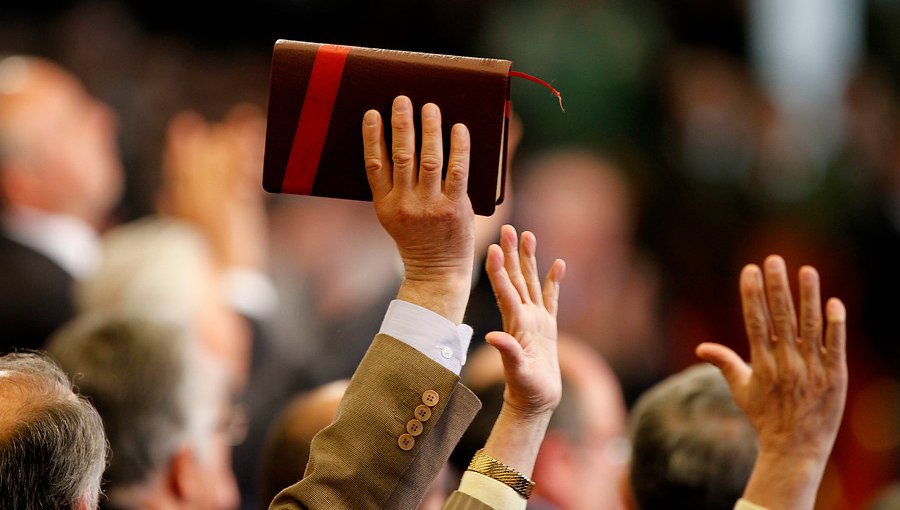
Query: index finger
point(756, 320)
point(378, 167)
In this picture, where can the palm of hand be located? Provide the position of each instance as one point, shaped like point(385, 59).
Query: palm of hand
point(528, 342)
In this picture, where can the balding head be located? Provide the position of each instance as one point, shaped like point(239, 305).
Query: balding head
point(52, 445)
point(287, 446)
point(57, 143)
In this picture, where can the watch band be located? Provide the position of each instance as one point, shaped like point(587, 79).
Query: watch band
point(486, 465)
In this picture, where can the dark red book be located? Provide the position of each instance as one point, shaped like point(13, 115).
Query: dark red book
point(319, 94)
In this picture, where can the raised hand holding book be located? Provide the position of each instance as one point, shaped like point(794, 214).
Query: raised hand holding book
point(319, 93)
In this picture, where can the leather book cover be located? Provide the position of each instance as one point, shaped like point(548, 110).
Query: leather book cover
point(319, 93)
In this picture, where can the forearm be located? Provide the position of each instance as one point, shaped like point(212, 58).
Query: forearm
point(780, 482)
point(516, 439)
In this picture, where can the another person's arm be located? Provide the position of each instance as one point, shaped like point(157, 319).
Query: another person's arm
point(795, 388)
point(527, 346)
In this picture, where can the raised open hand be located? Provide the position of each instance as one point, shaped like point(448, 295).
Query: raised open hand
point(430, 219)
point(527, 343)
point(795, 389)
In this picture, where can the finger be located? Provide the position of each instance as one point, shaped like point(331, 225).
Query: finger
point(511, 352)
point(432, 160)
point(756, 320)
point(507, 295)
point(836, 334)
point(378, 167)
point(509, 243)
point(733, 368)
point(781, 304)
point(403, 142)
point(551, 286)
point(528, 262)
point(810, 314)
point(457, 181)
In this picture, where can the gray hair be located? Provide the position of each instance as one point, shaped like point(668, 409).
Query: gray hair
point(151, 267)
point(693, 447)
point(150, 383)
point(52, 445)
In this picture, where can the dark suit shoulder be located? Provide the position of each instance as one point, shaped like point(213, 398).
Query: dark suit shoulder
point(35, 296)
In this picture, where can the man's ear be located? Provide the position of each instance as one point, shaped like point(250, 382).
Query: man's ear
point(625, 494)
point(184, 478)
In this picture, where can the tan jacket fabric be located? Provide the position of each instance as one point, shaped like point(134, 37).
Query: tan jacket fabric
point(356, 462)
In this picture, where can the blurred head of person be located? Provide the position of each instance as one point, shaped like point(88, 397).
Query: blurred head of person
point(692, 446)
point(58, 148)
point(287, 446)
point(52, 445)
point(165, 407)
point(164, 269)
point(581, 207)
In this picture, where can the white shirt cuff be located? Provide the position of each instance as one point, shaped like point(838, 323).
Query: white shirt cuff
point(428, 332)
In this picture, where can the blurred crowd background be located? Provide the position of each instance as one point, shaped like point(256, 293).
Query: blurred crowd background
point(699, 135)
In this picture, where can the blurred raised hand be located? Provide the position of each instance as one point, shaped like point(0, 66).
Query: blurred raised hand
point(212, 178)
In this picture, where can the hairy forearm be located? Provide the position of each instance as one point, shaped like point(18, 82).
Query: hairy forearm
point(516, 439)
point(785, 482)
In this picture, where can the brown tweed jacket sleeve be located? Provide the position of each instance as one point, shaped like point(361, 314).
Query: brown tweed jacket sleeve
point(357, 461)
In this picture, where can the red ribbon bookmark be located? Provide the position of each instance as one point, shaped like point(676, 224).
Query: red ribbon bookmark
point(315, 116)
point(528, 77)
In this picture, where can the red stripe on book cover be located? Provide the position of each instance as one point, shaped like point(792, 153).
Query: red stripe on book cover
point(315, 116)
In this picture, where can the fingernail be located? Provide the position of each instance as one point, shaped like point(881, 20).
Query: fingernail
point(750, 273)
point(401, 104)
point(774, 263)
point(836, 310)
point(429, 111)
point(370, 119)
point(808, 275)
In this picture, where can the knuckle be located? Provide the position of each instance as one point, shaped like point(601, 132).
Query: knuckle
point(373, 164)
point(401, 122)
point(757, 324)
point(403, 158)
point(431, 163)
point(456, 171)
point(811, 325)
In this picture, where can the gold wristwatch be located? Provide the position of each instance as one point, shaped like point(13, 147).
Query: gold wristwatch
point(486, 465)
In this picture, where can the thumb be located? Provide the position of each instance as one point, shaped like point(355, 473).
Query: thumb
point(510, 350)
point(733, 368)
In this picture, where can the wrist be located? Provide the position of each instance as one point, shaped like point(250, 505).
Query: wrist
point(785, 480)
point(447, 296)
point(524, 416)
point(516, 438)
